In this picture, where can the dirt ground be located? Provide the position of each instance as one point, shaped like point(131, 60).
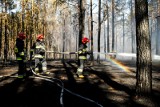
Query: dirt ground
point(105, 85)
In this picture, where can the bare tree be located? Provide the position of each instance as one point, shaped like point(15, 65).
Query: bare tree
point(91, 34)
point(158, 27)
point(113, 36)
point(81, 19)
point(104, 17)
point(132, 30)
point(144, 64)
point(108, 44)
point(6, 35)
point(123, 34)
point(1, 27)
point(99, 29)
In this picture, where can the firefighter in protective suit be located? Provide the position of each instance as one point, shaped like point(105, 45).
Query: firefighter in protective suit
point(82, 56)
point(20, 54)
point(38, 49)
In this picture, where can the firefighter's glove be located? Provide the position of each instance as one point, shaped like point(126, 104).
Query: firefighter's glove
point(21, 53)
point(16, 50)
point(80, 52)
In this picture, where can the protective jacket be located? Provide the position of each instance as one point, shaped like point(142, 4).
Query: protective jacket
point(39, 49)
point(19, 49)
point(82, 52)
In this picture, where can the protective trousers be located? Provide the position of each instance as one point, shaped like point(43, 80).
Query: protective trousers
point(40, 65)
point(21, 69)
point(81, 67)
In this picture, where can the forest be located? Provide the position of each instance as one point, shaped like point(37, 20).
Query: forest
point(122, 33)
point(110, 25)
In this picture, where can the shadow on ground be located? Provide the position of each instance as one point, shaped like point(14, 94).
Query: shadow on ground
point(98, 87)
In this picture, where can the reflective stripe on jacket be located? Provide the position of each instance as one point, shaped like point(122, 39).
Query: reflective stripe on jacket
point(19, 58)
point(16, 50)
point(82, 57)
point(39, 48)
point(82, 52)
point(38, 56)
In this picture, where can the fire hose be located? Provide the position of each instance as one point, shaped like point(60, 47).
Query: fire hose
point(61, 85)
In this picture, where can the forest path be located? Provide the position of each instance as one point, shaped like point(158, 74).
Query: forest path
point(110, 84)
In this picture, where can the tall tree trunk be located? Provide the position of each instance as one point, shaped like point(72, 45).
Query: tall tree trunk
point(158, 27)
point(113, 36)
point(132, 36)
point(1, 19)
point(64, 37)
point(23, 4)
point(144, 64)
point(123, 35)
point(6, 37)
point(91, 15)
point(105, 39)
point(31, 27)
point(81, 19)
point(99, 30)
point(12, 37)
point(104, 17)
point(37, 22)
point(108, 43)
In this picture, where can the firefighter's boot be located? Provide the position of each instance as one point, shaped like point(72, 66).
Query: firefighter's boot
point(80, 73)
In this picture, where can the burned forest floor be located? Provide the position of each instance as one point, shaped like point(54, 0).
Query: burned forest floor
point(110, 83)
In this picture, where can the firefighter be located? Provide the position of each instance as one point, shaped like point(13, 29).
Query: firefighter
point(20, 54)
point(38, 49)
point(82, 56)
